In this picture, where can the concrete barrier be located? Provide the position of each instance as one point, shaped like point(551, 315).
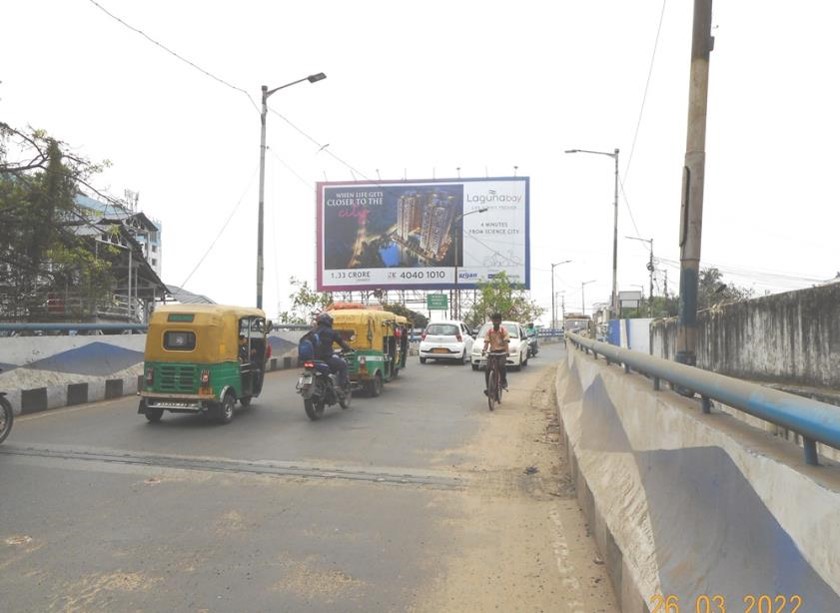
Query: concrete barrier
point(47, 372)
point(694, 505)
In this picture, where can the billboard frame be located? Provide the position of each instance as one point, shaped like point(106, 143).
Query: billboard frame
point(319, 234)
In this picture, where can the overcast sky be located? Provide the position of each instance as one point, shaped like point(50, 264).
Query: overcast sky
point(421, 88)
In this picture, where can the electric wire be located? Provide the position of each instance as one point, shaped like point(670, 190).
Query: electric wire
point(767, 277)
point(174, 54)
point(222, 229)
point(645, 93)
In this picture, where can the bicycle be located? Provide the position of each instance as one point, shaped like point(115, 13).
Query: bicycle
point(494, 378)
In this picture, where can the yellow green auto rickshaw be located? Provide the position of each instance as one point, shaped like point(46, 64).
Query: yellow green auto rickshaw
point(203, 359)
point(377, 341)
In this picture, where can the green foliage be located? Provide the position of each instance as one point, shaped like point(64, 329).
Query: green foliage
point(40, 251)
point(306, 302)
point(418, 320)
point(712, 291)
point(502, 296)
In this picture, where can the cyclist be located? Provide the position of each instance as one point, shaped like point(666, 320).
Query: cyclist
point(497, 340)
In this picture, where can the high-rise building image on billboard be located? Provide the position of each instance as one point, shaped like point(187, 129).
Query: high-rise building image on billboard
point(424, 225)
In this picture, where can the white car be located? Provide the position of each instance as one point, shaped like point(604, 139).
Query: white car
point(517, 352)
point(446, 340)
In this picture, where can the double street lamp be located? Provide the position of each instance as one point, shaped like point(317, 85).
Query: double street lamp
point(614, 156)
point(553, 307)
point(263, 113)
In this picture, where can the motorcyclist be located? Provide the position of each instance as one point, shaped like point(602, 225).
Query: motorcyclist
point(533, 341)
point(324, 348)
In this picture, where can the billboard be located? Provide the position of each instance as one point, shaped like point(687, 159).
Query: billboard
point(416, 234)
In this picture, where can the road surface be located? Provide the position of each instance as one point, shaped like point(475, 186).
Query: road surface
point(419, 500)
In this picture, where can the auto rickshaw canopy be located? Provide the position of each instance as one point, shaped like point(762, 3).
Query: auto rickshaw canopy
point(368, 327)
point(215, 328)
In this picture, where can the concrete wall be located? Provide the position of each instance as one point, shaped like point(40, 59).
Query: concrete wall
point(790, 339)
point(630, 333)
point(45, 372)
point(688, 504)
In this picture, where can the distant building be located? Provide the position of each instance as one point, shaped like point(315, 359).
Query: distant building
point(145, 230)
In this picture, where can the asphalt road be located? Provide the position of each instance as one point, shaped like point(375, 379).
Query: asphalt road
point(419, 500)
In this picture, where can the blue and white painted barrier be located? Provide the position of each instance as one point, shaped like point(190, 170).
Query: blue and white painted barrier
point(46, 372)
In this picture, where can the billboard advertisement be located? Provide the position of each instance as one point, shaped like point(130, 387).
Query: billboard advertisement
point(417, 234)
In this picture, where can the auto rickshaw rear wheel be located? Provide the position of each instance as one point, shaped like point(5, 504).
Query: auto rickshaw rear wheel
point(224, 410)
point(374, 386)
point(152, 414)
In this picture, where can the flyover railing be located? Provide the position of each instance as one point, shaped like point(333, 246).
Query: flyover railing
point(35, 328)
point(69, 328)
point(816, 422)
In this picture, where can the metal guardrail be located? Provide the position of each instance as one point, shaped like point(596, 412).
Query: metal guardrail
point(104, 327)
point(816, 422)
point(71, 327)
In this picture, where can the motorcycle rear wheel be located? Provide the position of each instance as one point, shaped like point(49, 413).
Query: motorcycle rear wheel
point(314, 408)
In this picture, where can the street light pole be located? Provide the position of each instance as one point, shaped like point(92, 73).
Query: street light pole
point(583, 295)
point(553, 308)
point(614, 156)
point(266, 93)
point(456, 306)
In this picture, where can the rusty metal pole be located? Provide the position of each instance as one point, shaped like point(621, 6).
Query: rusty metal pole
point(691, 211)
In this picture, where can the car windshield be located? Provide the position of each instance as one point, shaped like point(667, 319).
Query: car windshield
point(442, 330)
point(512, 328)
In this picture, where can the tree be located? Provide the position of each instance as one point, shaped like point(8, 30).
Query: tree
point(42, 251)
point(499, 295)
point(711, 290)
point(306, 303)
point(418, 320)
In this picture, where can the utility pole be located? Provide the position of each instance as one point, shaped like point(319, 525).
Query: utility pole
point(691, 210)
point(650, 268)
point(616, 308)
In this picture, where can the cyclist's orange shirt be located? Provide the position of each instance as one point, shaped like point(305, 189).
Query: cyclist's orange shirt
point(498, 341)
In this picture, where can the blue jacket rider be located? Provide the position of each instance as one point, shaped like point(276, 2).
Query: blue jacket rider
point(324, 349)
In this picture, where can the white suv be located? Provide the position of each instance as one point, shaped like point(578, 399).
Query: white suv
point(517, 351)
point(446, 340)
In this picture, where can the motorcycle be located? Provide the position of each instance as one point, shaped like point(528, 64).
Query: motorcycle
point(7, 417)
point(319, 389)
point(533, 346)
